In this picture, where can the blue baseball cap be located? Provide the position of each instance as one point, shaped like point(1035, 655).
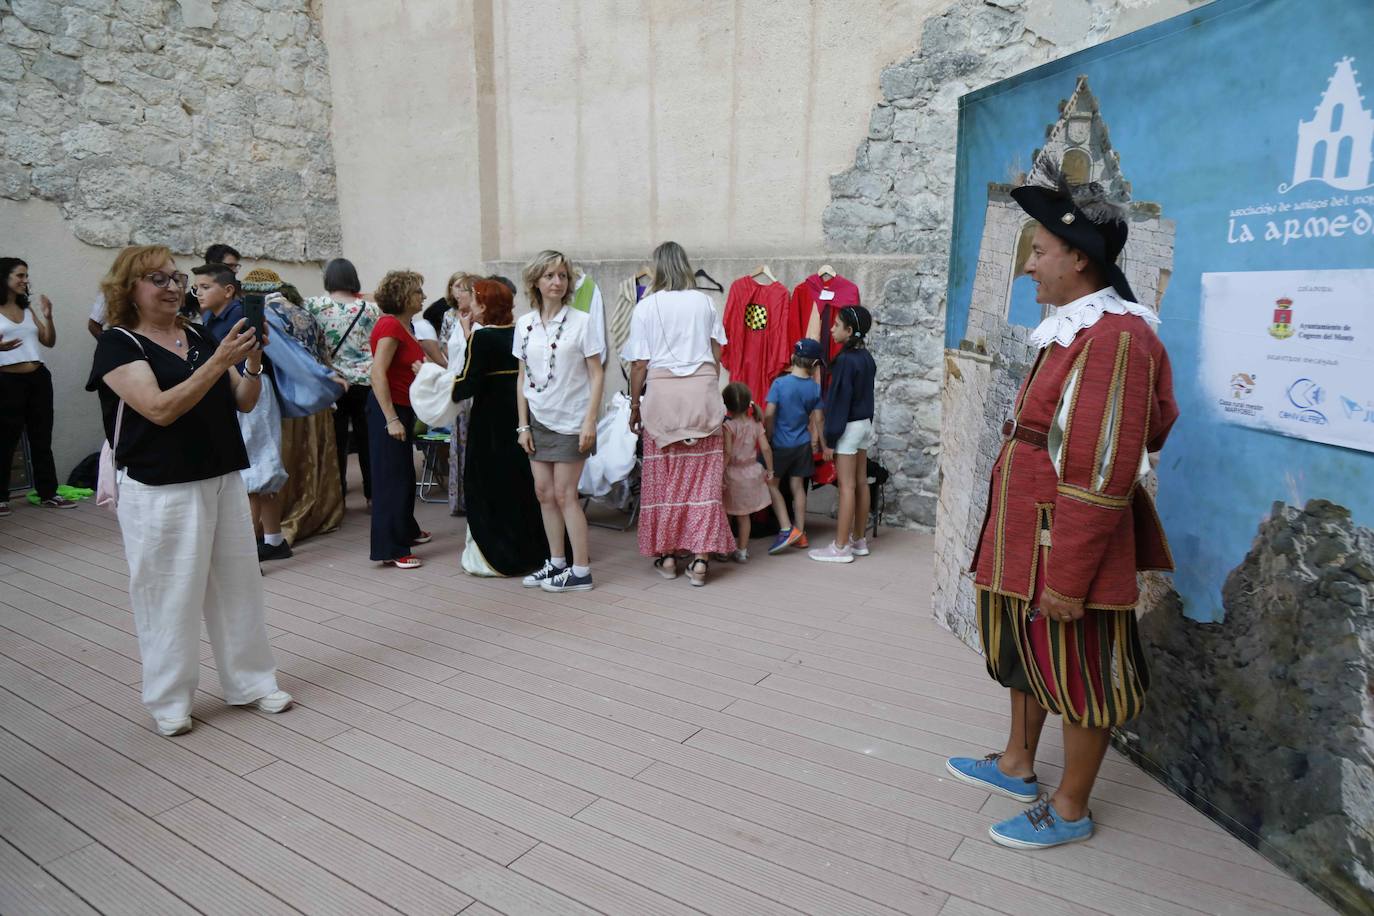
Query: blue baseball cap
point(807, 348)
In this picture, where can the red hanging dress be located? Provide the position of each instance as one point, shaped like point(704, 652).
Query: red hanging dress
point(758, 323)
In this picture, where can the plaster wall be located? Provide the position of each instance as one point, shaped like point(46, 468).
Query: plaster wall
point(68, 272)
point(614, 126)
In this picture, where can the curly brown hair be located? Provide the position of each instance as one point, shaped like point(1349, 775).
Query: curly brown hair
point(396, 289)
point(495, 301)
point(129, 265)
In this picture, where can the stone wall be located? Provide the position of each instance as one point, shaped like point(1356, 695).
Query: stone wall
point(1267, 719)
point(181, 122)
point(898, 197)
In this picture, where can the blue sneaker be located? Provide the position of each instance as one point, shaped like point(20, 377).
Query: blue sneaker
point(1041, 827)
point(785, 539)
point(986, 775)
point(565, 581)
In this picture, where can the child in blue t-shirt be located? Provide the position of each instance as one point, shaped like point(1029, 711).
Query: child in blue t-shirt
point(793, 421)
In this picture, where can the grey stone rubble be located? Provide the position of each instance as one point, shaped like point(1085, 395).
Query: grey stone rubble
point(179, 123)
point(1278, 695)
point(897, 199)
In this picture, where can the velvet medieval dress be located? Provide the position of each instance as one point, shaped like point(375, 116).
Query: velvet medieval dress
point(505, 527)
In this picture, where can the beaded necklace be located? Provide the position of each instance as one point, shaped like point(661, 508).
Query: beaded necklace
point(553, 352)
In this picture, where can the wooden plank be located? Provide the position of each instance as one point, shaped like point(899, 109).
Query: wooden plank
point(138, 787)
point(296, 880)
point(33, 828)
point(338, 851)
point(178, 866)
point(29, 890)
point(430, 848)
point(113, 886)
point(600, 889)
point(35, 688)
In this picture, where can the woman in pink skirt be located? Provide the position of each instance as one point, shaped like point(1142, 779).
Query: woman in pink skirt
point(674, 346)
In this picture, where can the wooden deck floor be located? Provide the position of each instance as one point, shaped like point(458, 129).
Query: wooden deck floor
point(773, 743)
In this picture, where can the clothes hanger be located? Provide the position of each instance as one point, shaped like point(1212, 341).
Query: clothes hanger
point(703, 278)
point(644, 274)
point(826, 272)
point(762, 269)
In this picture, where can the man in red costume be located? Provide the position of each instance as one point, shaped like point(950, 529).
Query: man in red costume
point(1068, 523)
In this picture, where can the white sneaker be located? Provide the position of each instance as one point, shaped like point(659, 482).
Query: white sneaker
point(278, 701)
point(740, 556)
point(170, 728)
point(859, 548)
point(832, 554)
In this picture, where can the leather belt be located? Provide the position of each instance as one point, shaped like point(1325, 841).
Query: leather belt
point(1029, 435)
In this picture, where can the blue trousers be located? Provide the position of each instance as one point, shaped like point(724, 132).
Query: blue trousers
point(394, 528)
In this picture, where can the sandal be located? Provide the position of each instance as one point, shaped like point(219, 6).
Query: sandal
point(666, 566)
point(696, 571)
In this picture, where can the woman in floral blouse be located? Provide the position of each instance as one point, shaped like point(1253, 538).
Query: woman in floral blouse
point(347, 321)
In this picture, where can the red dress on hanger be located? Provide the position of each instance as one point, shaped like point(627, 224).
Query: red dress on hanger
point(758, 323)
point(808, 298)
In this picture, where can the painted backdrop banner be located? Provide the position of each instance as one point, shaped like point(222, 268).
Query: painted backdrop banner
point(1244, 126)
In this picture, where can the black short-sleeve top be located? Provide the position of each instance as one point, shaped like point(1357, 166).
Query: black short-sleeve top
point(202, 443)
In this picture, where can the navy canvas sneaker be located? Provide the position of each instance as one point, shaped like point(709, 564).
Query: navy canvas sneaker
point(985, 774)
point(565, 581)
point(542, 575)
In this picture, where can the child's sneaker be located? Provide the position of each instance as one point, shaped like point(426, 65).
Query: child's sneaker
point(565, 580)
point(859, 548)
point(739, 556)
point(542, 575)
point(801, 543)
point(832, 554)
point(785, 539)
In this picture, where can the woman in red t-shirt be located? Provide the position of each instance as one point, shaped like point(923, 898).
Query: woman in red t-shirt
point(391, 421)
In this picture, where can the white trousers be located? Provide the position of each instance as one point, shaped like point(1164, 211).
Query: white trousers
point(192, 552)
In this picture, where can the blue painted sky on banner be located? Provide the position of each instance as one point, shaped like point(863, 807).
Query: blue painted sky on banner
point(1203, 110)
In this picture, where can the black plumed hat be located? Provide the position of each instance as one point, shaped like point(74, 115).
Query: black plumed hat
point(1083, 217)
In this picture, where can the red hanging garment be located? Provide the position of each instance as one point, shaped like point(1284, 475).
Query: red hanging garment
point(758, 324)
point(808, 299)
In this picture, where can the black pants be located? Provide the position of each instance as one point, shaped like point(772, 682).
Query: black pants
point(352, 409)
point(394, 528)
point(26, 404)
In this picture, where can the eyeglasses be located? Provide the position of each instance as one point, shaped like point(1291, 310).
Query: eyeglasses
point(163, 280)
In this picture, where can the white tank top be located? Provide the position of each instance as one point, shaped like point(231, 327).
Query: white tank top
point(27, 331)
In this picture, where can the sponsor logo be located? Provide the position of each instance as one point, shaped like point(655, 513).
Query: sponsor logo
point(1282, 328)
point(1242, 386)
point(1305, 395)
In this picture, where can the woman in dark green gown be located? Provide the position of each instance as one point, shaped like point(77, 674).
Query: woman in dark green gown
point(505, 529)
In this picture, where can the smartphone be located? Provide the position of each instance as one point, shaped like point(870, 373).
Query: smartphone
point(253, 311)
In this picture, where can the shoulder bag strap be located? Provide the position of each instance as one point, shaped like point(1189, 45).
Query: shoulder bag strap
point(362, 307)
point(119, 412)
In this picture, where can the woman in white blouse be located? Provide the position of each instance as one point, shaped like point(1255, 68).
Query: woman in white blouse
point(675, 341)
point(558, 395)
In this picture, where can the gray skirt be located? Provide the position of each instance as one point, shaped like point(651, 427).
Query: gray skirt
point(555, 448)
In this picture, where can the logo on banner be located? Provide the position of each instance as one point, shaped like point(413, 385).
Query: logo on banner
point(1282, 328)
point(1242, 386)
point(1336, 147)
point(1305, 394)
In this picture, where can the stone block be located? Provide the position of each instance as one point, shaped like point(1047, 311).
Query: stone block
point(900, 82)
point(18, 35)
point(145, 14)
point(62, 72)
point(197, 14)
point(880, 123)
point(39, 15)
point(11, 64)
point(86, 27)
point(14, 180)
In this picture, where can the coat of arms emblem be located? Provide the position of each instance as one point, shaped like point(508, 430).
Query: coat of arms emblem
point(1282, 328)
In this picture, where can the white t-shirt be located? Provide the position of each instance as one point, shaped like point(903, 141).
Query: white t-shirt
point(673, 330)
point(422, 329)
point(98, 309)
point(458, 345)
point(558, 397)
point(26, 331)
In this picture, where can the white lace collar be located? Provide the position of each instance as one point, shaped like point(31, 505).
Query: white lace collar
point(1068, 320)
